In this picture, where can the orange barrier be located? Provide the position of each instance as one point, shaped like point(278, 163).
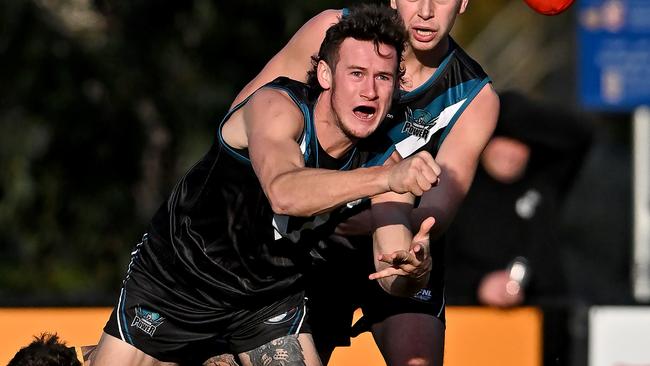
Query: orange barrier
point(76, 326)
point(475, 335)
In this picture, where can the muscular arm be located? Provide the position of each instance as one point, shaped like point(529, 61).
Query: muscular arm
point(458, 157)
point(401, 269)
point(272, 125)
point(294, 59)
point(393, 235)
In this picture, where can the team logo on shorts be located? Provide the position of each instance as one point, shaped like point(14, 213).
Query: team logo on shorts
point(147, 321)
point(423, 295)
point(418, 123)
point(282, 318)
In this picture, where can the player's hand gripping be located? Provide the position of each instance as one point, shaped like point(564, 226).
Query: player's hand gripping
point(416, 174)
point(414, 263)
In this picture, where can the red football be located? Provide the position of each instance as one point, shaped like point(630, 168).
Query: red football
point(549, 7)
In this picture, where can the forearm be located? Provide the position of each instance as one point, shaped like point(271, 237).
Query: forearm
point(444, 213)
point(392, 232)
point(308, 192)
point(443, 201)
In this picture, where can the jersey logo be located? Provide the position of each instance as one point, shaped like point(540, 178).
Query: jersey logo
point(283, 318)
point(422, 127)
point(147, 321)
point(418, 123)
point(423, 295)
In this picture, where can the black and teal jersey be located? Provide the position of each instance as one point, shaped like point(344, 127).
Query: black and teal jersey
point(423, 117)
point(420, 120)
point(217, 235)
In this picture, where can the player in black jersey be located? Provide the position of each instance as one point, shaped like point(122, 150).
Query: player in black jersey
point(447, 106)
point(223, 260)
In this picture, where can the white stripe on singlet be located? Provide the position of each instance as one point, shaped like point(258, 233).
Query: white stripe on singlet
point(119, 315)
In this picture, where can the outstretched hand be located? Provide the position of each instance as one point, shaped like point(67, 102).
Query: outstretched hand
point(415, 262)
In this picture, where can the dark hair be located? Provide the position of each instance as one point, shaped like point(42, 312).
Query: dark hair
point(45, 350)
point(366, 22)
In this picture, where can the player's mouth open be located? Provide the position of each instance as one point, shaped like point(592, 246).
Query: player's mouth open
point(423, 34)
point(364, 112)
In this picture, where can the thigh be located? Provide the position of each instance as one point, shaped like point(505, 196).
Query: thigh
point(162, 332)
point(114, 351)
point(164, 318)
point(296, 349)
point(410, 339)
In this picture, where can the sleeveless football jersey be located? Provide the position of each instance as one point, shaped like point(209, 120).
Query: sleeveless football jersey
point(420, 119)
point(217, 233)
point(423, 117)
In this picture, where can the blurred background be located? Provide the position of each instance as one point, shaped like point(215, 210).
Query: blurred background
point(104, 104)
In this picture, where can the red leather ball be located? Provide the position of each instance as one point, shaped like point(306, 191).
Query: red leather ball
point(549, 7)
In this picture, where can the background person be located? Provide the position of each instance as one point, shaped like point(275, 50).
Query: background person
point(512, 212)
point(46, 350)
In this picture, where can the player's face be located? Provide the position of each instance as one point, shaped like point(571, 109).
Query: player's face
point(362, 87)
point(428, 21)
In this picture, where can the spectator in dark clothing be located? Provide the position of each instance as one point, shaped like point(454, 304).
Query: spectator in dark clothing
point(513, 206)
point(511, 213)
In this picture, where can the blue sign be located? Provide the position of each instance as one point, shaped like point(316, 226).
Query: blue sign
point(614, 38)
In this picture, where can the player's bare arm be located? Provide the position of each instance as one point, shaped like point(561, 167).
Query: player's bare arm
point(403, 271)
point(401, 259)
point(294, 59)
point(458, 157)
point(269, 126)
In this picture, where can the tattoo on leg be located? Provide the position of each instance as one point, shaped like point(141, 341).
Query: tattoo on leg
point(285, 351)
point(221, 360)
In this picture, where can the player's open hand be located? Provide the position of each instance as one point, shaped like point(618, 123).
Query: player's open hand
point(416, 174)
point(413, 263)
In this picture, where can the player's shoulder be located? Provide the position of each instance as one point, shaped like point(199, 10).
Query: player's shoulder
point(327, 17)
point(322, 21)
point(270, 96)
point(311, 34)
point(282, 95)
point(488, 96)
point(484, 107)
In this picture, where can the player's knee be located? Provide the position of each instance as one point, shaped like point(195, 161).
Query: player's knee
point(419, 361)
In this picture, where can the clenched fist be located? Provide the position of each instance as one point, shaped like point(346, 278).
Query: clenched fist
point(416, 174)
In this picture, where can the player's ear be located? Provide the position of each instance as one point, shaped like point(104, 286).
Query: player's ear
point(393, 4)
point(324, 74)
point(463, 6)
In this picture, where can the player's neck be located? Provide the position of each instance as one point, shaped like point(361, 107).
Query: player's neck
point(328, 131)
point(421, 65)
